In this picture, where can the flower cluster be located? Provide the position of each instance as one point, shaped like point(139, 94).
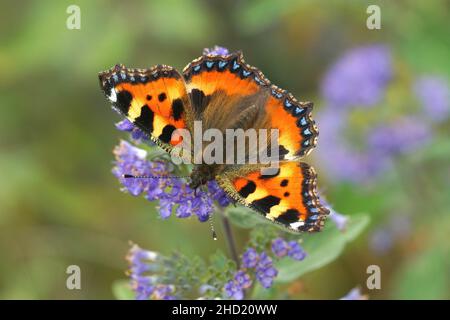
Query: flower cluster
point(159, 184)
point(261, 266)
point(355, 90)
point(145, 284)
point(281, 248)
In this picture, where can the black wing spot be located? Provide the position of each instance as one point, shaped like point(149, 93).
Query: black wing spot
point(124, 99)
point(289, 216)
point(148, 97)
point(249, 188)
point(162, 96)
point(266, 203)
point(199, 100)
point(284, 182)
point(145, 119)
point(287, 194)
point(177, 109)
point(166, 134)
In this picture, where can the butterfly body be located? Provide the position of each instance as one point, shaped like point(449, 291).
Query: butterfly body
point(223, 93)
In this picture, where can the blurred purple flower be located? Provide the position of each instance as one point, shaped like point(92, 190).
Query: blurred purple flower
point(434, 94)
point(342, 160)
point(403, 136)
point(380, 241)
point(355, 294)
point(346, 162)
point(339, 220)
point(217, 50)
point(359, 77)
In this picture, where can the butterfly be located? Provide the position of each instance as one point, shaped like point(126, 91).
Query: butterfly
point(224, 92)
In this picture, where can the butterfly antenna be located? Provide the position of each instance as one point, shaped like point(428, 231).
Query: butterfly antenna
point(211, 225)
point(130, 176)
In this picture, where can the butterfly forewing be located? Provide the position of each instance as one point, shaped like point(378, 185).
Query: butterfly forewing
point(155, 100)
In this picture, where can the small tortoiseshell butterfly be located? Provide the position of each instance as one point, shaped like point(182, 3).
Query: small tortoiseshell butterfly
point(224, 92)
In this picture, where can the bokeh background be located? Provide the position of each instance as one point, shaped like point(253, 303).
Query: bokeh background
point(384, 151)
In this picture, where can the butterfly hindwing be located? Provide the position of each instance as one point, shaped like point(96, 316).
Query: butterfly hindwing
point(155, 99)
point(287, 196)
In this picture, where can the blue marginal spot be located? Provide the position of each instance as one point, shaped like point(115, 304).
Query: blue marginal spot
point(115, 78)
point(315, 210)
point(313, 217)
point(259, 81)
point(209, 64)
point(298, 110)
point(132, 79)
point(144, 79)
point(222, 64)
point(276, 94)
point(245, 73)
point(197, 68)
point(303, 121)
point(287, 103)
point(307, 132)
point(123, 76)
point(306, 143)
point(235, 65)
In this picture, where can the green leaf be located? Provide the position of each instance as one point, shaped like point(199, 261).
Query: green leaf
point(322, 248)
point(244, 218)
point(122, 291)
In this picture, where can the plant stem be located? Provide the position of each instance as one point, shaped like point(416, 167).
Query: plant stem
point(229, 236)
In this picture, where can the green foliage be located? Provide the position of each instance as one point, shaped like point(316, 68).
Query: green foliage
point(322, 248)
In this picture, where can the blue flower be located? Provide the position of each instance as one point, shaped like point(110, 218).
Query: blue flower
point(434, 94)
point(250, 258)
point(359, 78)
point(296, 252)
point(280, 247)
point(132, 160)
point(136, 133)
point(216, 51)
point(235, 287)
point(265, 271)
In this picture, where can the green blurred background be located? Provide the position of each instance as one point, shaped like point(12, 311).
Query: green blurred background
point(59, 202)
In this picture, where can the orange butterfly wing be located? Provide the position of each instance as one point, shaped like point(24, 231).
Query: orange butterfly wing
point(288, 197)
point(155, 100)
